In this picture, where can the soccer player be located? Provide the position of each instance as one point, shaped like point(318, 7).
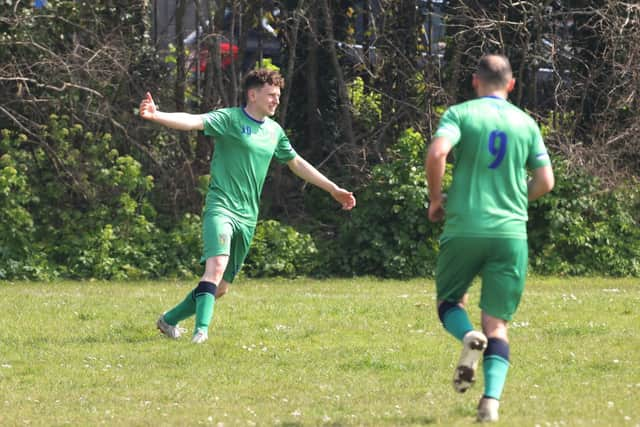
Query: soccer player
point(485, 212)
point(246, 140)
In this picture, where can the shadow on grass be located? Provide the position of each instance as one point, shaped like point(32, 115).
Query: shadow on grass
point(394, 421)
point(83, 338)
point(397, 421)
point(413, 420)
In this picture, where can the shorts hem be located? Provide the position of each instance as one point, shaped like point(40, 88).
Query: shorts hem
point(206, 256)
point(506, 318)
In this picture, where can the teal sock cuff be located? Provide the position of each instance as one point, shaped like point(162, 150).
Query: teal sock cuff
point(495, 370)
point(456, 322)
point(498, 360)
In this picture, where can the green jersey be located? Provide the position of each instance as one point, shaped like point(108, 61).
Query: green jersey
point(243, 151)
point(494, 143)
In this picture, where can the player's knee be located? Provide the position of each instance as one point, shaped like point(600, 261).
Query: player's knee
point(205, 288)
point(444, 307)
point(497, 347)
point(495, 328)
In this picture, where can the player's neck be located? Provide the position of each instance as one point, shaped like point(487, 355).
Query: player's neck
point(492, 93)
point(252, 112)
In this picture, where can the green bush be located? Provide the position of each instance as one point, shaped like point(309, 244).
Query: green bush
point(581, 228)
point(364, 105)
point(389, 234)
point(279, 250)
point(95, 219)
point(73, 206)
point(181, 248)
point(578, 229)
point(21, 255)
point(16, 223)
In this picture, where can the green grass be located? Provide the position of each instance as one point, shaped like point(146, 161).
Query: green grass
point(306, 352)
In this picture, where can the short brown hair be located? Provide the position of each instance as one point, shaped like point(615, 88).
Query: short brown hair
point(494, 70)
point(260, 77)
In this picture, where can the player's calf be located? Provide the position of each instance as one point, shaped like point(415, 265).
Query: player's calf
point(204, 295)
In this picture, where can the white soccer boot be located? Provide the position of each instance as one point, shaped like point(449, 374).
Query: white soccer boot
point(200, 336)
point(488, 410)
point(474, 344)
point(173, 332)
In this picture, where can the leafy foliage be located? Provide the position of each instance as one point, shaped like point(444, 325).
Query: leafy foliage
point(92, 220)
point(389, 234)
point(17, 255)
point(366, 106)
point(280, 250)
point(581, 228)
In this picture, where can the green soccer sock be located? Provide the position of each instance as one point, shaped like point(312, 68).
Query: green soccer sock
point(495, 367)
point(204, 310)
point(205, 296)
point(455, 320)
point(181, 311)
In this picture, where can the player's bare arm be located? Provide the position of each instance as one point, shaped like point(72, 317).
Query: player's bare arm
point(179, 121)
point(541, 182)
point(304, 170)
point(435, 164)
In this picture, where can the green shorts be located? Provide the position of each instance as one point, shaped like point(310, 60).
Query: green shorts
point(500, 262)
point(224, 235)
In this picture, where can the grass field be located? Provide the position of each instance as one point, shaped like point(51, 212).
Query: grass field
point(307, 352)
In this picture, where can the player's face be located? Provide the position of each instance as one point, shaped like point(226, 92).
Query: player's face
point(266, 99)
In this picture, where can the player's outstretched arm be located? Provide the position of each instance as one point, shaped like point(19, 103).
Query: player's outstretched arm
point(304, 170)
point(541, 183)
point(179, 121)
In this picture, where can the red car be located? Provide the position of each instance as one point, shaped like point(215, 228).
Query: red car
point(228, 52)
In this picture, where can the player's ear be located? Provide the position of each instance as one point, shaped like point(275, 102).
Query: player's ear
point(475, 82)
point(511, 85)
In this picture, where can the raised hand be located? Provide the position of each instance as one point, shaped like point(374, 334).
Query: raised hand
point(147, 107)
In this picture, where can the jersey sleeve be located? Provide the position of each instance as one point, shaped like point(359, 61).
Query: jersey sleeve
point(538, 155)
point(216, 122)
point(449, 126)
point(284, 151)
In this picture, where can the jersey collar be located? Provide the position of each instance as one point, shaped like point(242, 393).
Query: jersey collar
point(251, 118)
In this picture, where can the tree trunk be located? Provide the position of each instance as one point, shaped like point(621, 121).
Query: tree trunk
point(293, 43)
point(312, 104)
point(179, 88)
point(343, 97)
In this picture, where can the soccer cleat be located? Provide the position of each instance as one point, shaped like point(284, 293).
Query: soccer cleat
point(200, 336)
point(488, 410)
point(474, 343)
point(173, 332)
